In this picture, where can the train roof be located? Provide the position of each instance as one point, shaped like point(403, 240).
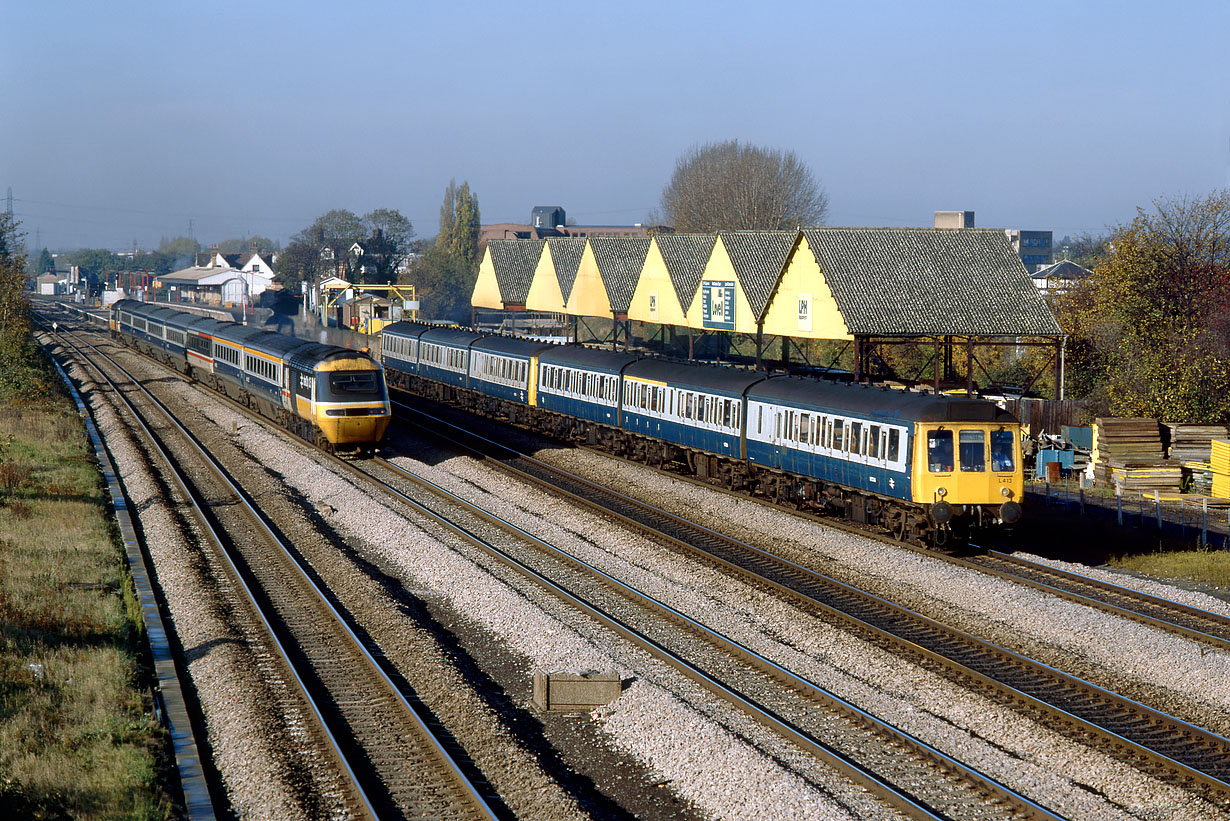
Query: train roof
point(405, 328)
point(510, 345)
point(904, 406)
point(452, 337)
point(709, 378)
point(302, 353)
point(310, 354)
point(591, 359)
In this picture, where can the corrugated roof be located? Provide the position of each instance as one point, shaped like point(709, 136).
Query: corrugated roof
point(686, 256)
point(902, 281)
point(514, 262)
point(620, 261)
point(758, 258)
point(566, 257)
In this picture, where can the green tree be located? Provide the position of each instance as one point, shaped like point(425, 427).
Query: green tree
point(732, 185)
point(1151, 328)
point(243, 245)
point(460, 221)
point(444, 276)
point(45, 265)
point(390, 239)
point(180, 251)
point(93, 262)
point(443, 285)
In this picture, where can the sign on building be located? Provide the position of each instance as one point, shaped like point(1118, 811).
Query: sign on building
point(718, 305)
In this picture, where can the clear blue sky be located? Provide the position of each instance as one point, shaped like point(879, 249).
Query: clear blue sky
point(123, 121)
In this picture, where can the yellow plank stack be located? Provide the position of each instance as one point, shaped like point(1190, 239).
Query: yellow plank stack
point(1130, 454)
point(1221, 467)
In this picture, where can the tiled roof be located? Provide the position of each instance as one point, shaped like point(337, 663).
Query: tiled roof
point(514, 262)
point(930, 281)
point(758, 258)
point(566, 257)
point(1064, 269)
point(620, 261)
point(686, 256)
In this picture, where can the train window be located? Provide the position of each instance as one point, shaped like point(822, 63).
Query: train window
point(1001, 451)
point(805, 428)
point(353, 382)
point(894, 444)
point(794, 427)
point(760, 418)
point(737, 409)
point(727, 413)
point(873, 441)
point(839, 430)
point(973, 451)
point(855, 440)
point(939, 451)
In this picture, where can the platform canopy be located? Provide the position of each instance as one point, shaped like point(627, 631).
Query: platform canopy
point(926, 282)
point(506, 273)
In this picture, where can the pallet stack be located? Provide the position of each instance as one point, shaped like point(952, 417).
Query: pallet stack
point(1220, 462)
point(1129, 453)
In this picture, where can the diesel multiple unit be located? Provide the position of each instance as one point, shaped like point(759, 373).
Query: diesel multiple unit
point(919, 465)
point(330, 396)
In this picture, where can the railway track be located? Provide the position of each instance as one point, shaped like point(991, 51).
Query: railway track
point(902, 771)
point(1180, 767)
point(1175, 617)
point(891, 759)
point(1162, 745)
point(395, 761)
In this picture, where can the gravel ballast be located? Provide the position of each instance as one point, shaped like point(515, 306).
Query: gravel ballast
point(720, 764)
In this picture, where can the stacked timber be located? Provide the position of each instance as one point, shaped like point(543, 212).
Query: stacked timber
point(1220, 463)
point(1130, 454)
point(1191, 443)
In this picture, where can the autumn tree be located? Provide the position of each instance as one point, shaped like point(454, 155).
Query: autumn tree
point(22, 377)
point(1151, 328)
point(732, 185)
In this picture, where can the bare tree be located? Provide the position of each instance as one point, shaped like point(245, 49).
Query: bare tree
point(732, 185)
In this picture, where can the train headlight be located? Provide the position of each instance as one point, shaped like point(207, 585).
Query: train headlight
point(941, 513)
point(941, 492)
point(1006, 492)
point(1010, 513)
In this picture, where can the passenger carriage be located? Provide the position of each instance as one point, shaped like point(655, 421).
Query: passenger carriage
point(505, 369)
point(328, 395)
point(583, 383)
point(694, 406)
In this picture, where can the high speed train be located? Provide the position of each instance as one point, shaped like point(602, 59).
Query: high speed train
point(334, 397)
point(922, 466)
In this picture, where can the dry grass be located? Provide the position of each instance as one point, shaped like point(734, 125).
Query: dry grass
point(1208, 566)
point(77, 734)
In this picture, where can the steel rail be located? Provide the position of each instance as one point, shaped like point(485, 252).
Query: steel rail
point(1201, 738)
point(474, 796)
point(788, 730)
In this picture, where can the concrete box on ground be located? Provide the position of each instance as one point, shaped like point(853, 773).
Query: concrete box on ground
point(574, 690)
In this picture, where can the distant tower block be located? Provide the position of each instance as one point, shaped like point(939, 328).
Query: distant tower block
point(954, 219)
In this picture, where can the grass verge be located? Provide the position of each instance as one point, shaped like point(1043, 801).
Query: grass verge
point(1207, 566)
point(78, 738)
